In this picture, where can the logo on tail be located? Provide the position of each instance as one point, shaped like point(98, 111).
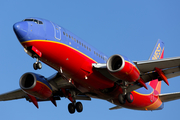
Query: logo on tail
point(158, 51)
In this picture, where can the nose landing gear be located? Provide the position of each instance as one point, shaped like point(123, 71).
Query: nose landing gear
point(37, 65)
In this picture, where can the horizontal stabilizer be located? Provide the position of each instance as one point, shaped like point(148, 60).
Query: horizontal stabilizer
point(169, 97)
point(116, 107)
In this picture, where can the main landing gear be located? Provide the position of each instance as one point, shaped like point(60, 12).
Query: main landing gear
point(37, 64)
point(75, 106)
point(122, 98)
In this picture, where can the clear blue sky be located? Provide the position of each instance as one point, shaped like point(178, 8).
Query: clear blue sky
point(128, 27)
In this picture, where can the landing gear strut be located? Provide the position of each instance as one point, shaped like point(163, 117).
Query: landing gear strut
point(37, 65)
point(75, 106)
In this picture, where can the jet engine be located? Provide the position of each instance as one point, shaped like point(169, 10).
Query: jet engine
point(122, 68)
point(35, 85)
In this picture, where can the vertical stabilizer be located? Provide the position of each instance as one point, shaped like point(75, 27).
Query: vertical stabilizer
point(157, 53)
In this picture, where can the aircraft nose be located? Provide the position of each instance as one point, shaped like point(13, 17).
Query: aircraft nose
point(21, 30)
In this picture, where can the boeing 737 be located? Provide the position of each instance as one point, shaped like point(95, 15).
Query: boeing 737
point(83, 72)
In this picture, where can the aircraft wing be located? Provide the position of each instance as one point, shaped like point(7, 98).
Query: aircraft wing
point(16, 94)
point(169, 66)
point(56, 81)
point(169, 96)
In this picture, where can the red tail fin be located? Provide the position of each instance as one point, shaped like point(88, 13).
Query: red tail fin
point(157, 53)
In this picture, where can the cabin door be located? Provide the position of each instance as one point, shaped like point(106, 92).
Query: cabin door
point(57, 31)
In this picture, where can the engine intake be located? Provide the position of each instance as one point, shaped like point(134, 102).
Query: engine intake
point(35, 85)
point(122, 68)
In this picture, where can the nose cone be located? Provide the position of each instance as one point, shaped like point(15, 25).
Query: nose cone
point(21, 30)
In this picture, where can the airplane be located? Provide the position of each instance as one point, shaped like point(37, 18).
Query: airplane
point(83, 72)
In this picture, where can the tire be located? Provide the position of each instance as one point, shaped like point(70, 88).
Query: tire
point(129, 97)
point(79, 107)
point(71, 108)
point(35, 66)
point(121, 99)
point(39, 65)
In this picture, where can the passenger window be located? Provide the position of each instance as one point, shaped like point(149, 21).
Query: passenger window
point(75, 39)
point(66, 35)
point(63, 33)
point(69, 36)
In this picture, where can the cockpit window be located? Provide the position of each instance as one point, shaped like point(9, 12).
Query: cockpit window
point(40, 22)
point(34, 20)
point(28, 20)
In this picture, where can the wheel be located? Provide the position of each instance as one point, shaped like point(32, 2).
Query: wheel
point(71, 108)
point(35, 66)
point(121, 99)
point(79, 107)
point(39, 65)
point(129, 97)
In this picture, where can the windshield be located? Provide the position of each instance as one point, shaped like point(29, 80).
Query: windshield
point(34, 20)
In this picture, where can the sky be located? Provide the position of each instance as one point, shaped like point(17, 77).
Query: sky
point(130, 28)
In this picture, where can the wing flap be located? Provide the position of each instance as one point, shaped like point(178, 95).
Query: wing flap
point(169, 96)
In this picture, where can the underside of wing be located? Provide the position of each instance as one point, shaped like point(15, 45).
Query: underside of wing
point(57, 82)
point(169, 66)
point(16, 94)
point(165, 64)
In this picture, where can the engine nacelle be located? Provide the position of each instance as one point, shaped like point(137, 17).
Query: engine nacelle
point(122, 68)
point(35, 85)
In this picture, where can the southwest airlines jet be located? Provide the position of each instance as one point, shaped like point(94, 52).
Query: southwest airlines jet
point(83, 72)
